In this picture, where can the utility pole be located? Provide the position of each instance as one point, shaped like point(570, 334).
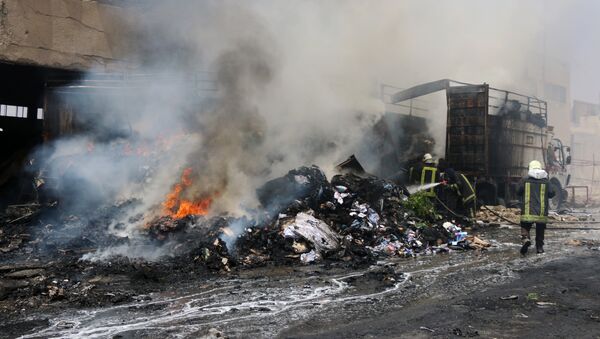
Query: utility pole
point(593, 172)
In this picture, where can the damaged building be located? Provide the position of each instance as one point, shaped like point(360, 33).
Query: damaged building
point(45, 45)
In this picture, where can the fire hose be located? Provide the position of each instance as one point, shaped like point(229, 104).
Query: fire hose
point(449, 210)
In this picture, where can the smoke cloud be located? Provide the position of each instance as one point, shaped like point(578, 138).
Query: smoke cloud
point(242, 92)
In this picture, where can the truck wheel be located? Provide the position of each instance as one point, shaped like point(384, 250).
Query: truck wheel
point(486, 193)
point(557, 201)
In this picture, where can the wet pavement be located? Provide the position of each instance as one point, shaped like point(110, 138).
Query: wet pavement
point(298, 301)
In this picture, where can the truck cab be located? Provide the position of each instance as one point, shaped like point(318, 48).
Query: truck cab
point(557, 160)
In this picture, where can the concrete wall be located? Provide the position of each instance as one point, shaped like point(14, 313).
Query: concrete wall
point(585, 141)
point(71, 34)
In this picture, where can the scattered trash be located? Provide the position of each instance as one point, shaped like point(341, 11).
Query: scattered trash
point(532, 296)
point(300, 247)
point(310, 257)
point(304, 218)
point(315, 231)
point(477, 243)
point(497, 214)
point(521, 315)
point(510, 297)
point(544, 304)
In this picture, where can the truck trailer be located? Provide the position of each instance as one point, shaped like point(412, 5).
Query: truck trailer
point(493, 134)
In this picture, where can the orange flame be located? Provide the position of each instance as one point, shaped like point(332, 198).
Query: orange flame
point(176, 207)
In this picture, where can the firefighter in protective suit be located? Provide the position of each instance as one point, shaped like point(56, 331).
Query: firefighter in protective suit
point(457, 191)
point(425, 173)
point(535, 191)
point(467, 203)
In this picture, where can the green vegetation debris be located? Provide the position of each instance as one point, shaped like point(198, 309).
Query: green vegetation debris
point(421, 206)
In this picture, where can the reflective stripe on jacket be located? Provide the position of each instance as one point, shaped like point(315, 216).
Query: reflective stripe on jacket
point(466, 189)
point(535, 194)
point(429, 175)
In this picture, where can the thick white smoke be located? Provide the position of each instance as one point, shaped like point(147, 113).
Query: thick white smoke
point(295, 83)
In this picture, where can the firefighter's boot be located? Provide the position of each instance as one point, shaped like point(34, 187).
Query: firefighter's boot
point(526, 243)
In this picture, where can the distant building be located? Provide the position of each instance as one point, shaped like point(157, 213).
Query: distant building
point(549, 79)
point(585, 140)
point(44, 44)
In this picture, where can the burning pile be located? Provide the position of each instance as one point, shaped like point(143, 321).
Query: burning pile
point(308, 218)
point(177, 206)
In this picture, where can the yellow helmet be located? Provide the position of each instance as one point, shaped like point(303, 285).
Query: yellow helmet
point(534, 164)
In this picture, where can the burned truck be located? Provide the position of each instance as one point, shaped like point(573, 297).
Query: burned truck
point(493, 134)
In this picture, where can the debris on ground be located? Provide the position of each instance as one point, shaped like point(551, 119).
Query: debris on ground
point(352, 217)
point(477, 243)
point(569, 217)
point(545, 304)
point(500, 214)
point(497, 214)
point(305, 218)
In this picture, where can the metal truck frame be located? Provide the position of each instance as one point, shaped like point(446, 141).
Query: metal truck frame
point(493, 134)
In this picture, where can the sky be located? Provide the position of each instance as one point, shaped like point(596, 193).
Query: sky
point(583, 28)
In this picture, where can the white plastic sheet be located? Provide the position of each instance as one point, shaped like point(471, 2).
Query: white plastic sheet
point(313, 230)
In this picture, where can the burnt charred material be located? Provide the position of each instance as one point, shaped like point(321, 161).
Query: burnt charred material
point(351, 165)
point(308, 184)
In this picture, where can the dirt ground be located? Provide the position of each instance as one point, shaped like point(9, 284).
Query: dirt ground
point(443, 295)
point(570, 287)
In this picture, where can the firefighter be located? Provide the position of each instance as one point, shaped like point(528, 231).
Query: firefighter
point(467, 202)
point(448, 191)
point(425, 173)
point(457, 192)
point(534, 191)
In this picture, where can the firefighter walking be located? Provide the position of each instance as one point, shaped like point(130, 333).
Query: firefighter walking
point(535, 191)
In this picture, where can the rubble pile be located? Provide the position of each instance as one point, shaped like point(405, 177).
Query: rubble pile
point(501, 214)
point(495, 214)
point(304, 218)
point(12, 234)
point(569, 217)
point(352, 218)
